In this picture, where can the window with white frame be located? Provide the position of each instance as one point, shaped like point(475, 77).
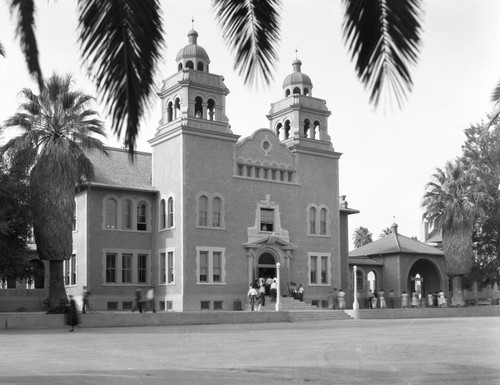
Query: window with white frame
point(110, 267)
point(167, 267)
point(319, 268)
point(69, 268)
point(127, 214)
point(170, 207)
point(142, 272)
point(111, 213)
point(318, 220)
point(125, 267)
point(266, 219)
point(210, 210)
point(210, 265)
point(163, 214)
point(7, 283)
point(142, 216)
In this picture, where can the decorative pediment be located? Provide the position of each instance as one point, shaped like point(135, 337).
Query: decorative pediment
point(270, 240)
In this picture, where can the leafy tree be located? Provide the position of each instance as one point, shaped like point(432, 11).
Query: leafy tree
point(481, 155)
point(451, 204)
point(122, 42)
point(361, 237)
point(15, 219)
point(57, 126)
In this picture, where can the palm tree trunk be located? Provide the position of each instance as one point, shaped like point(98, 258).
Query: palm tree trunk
point(57, 291)
point(458, 293)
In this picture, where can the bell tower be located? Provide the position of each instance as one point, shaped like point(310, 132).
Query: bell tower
point(193, 97)
point(299, 119)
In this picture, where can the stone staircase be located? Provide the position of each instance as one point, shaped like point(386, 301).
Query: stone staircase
point(301, 311)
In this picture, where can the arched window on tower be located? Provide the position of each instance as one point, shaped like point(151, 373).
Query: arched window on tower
point(306, 91)
point(287, 129)
point(163, 214)
point(203, 211)
point(141, 216)
point(170, 212)
point(211, 109)
point(278, 130)
point(199, 66)
point(179, 67)
point(322, 221)
point(190, 65)
point(111, 213)
point(170, 111)
point(198, 107)
point(296, 90)
point(216, 212)
point(127, 215)
point(287, 93)
point(307, 126)
point(315, 130)
point(177, 108)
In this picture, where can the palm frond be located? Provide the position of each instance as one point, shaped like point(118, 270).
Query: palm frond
point(2, 50)
point(122, 42)
point(25, 30)
point(383, 38)
point(251, 29)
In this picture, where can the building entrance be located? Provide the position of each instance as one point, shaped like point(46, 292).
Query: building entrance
point(266, 266)
point(424, 278)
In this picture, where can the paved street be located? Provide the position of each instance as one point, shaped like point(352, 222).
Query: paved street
point(422, 351)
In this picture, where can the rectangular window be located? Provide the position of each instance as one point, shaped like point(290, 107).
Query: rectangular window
point(314, 268)
point(141, 216)
point(126, 268)
point(127, 305)
point(240, 170)
point(169, 305)
point(205, 305)
point(170, 207)
point(142, 263)
point(216, 266)
point(203, 266)
point(267, 219)
point(315, 302)
point(112, 305)
point(110, 268)
point(163, 268)
point(249, 171)
point(170, 267)
point(324, 264)
point(73, 270)
point(217, 305)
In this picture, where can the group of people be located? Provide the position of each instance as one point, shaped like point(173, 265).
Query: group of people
point(148, 303)
point(296, 292)
point(377, 300)
point(258, 291)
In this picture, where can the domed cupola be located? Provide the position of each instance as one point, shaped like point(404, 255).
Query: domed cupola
point(297, 82)
point(193, 56)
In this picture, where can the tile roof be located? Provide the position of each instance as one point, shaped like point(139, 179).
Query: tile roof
point(118, 171)
point(394, 244)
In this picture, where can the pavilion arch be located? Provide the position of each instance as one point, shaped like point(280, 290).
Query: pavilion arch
point(170, 111)
point(177, 107)
point(179, 67)
point(296, 91)
point(279, 127)
point(211, 109)
point(287, 129)
point(200, 66)
point(198, 107)
point(430, 279)
point(306, 91)
point(287, 93)
point(307, 127)
point(265, 263)
point(190, 65)
point(372, 280)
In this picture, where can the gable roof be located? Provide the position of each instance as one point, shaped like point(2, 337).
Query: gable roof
point(117, 170)
point(394, 244)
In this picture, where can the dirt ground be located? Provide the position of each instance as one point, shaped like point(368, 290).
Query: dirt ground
point(418, 351)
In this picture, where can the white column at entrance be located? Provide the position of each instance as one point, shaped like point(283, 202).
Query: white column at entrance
point(278, 291)
point(355, 304)
point(250, 268)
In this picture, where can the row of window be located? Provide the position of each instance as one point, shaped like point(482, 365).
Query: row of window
point(318, 220)
point(310, 130)
point(202, 110)
point(266, 173)
point(132, 218)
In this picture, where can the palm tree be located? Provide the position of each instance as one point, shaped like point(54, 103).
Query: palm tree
point(385, 232)
point(450, 204)
point(361, 237)
point(122, 42)
point(57, 128)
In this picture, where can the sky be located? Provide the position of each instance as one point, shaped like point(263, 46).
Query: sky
point(388, 153)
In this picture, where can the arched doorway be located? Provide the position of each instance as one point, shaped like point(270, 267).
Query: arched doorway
point(371, 277)
point(424, 278)
point(266, 266)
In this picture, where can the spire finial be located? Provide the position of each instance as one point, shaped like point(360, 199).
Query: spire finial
point(192, 22)
point(296, 53)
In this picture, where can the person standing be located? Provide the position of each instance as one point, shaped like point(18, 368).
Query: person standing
point(404, 300)
point(150, 297)
point(72, 314)
point(414, 299)
point(300, 293)
point(370, 298)
point(262, 294)
point(138, 301)
point(341, 297)
point(374, 300)
point(85, 301)
point(252, 295)
point(381, 299)
point(274, 290)
point(334, 298)
point(391, 299)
